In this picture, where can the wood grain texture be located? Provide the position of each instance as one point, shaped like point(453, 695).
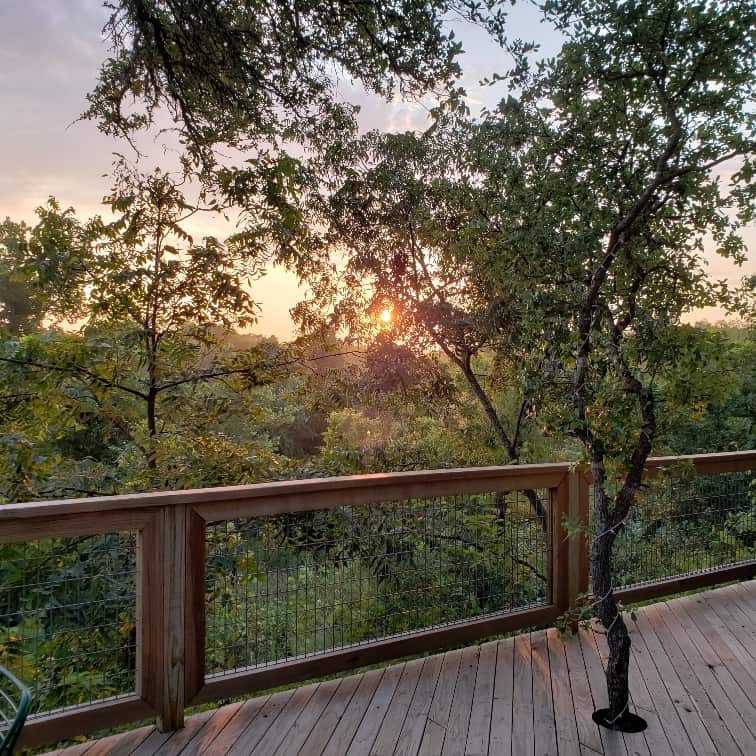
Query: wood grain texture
point(194, 605)
point(500, 738)
point(434, 732)
point(209, 734)
point(544, 725)
point(459, 716)
point(331, 716)
point(564, 707)
point(743, 571)
point(676, 692)
point(263, 721)
point(523, 737)
point(285, 721)
point(558, 559)
point(371, 723)
point(479, 731)
point(388, 734)
point(308, 718)
point(577, 543)
point(235, 726)
point(161, 615)
point(612, 742)
point(62, 525)
point(361, 702)
point(417, 716)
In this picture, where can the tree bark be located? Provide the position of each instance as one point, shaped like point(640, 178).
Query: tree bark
point(618, 639)
point(152, 428)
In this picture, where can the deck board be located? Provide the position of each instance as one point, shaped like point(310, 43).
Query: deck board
point(564, 707)
point(414, 724)
point(500, 739)
point(479, 730)
point(391, 727)
point(544, 726)
point(376, 713)
point(693, 677)
point(459, 718)
point(344, 733)
point(434, 732)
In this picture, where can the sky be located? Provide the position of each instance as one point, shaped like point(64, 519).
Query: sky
point(50, 52)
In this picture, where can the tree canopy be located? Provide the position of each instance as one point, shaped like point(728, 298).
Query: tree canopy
point(241, 73)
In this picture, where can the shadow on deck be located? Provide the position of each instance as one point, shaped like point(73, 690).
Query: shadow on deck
point(693, 678)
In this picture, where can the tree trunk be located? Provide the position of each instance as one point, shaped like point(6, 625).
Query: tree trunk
point(152, 429)
point(618, 639)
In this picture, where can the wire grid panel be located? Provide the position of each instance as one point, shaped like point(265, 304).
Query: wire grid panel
point(295, 585)
point(681, 526)
point(68, 618)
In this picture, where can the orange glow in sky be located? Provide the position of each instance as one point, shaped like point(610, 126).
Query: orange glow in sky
point(386, 315)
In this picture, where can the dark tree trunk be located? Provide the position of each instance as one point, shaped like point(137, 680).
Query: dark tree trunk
point(608, 612)
point(500, 502)
point(608, 524)
point(510, 446)
point(152, 428)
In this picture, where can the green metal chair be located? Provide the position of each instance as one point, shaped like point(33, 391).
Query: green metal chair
point(15, 699)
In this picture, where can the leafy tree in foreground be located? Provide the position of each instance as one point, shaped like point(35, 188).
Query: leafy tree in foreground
point(622, 155)
point(245, 72)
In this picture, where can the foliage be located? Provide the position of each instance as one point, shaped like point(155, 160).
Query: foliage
point(243, 74)
point(155, 303)
point(42, 268)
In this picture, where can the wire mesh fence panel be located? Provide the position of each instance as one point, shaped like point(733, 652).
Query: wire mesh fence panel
point(68, 618)
point(293, 585)
point(681, 526)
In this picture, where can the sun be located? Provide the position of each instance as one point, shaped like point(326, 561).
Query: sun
point(386, 315)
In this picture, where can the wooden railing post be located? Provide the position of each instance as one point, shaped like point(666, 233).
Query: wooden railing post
point(578, 512)
point(558, 552)
point(194, 608)
point(170, 640)
point(568, 553)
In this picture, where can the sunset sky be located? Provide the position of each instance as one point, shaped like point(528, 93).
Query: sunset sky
point(50, 51)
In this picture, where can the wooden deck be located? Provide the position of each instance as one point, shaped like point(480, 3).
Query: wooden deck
point(693, 679)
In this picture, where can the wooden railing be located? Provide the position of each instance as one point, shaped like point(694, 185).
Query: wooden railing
point(171, 563)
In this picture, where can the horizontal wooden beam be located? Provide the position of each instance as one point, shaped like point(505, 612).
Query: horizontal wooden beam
point(308, 501)
point(373, 487)
point(699, 464)
point(68, 723)
point(354, 488)
point(298, 670)
point(25, 530)
point(670, 586)
point(703, 464)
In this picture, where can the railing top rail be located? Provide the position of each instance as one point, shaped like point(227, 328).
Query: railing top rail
point(228, 494)
point(369, 486)
point(705, 461)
